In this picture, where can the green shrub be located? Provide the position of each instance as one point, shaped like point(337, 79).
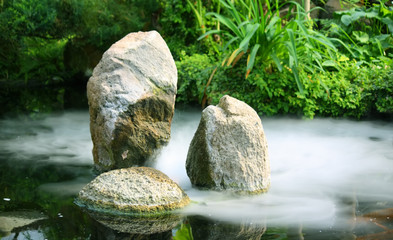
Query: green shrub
point(354, 91)
point(28, 26)
point(193, 72)
point(368, 31)
point(177, 27)
point(270, 39)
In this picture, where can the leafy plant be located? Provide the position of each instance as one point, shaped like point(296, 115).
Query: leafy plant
point(369, 31)
point(377, 19)
point(90, 22)
point(192, 74)
point(199, 12)
point(184, 232)
point(268, 39)
point(356, 91)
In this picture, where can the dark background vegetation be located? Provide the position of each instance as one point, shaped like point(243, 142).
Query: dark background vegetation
point(48, 49)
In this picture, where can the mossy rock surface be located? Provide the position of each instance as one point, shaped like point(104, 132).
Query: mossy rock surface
point(133, 191)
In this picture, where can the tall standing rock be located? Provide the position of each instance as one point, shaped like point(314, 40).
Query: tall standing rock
point(131, 97)
point(229, 149)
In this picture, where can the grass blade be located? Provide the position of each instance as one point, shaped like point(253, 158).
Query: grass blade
point(251, 59)
point(250, 34)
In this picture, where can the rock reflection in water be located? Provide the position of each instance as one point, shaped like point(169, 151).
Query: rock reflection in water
point(17, 220)
point(207, 229)
point(130, 227)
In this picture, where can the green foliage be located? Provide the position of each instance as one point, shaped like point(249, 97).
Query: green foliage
point(101, 23)
point(377, 19)
point(30, 18)
point(181, 23)
point(300, 70)
point(354, 91)
point(34, 101)
point(193, 72)
point(268, 38)
point(41, 57)
point(178, 27)
point(184, 232)
point(17, 19)
point(35, 32)
point(368, 31)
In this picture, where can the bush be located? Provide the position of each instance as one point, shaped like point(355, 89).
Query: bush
point(354, 91)
point(28, 26)
point(193, 72)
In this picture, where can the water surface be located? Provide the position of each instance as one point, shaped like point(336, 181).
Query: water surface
point(329, 177)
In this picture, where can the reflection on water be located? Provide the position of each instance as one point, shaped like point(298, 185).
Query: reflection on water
point(328, 177)
point(127, 227)
point(137, 225)
point(206, 229)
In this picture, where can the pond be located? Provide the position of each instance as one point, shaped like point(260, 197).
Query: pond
point(331, 179)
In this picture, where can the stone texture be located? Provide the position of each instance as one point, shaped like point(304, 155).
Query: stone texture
point(229, 149)
point(131, 97)
point(136, 190)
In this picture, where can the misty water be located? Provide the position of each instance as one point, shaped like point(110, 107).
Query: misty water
point(330, 179)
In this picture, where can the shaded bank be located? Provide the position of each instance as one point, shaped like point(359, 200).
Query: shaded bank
point(34, 97)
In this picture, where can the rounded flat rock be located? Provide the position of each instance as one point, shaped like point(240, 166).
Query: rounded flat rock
point(135, 190)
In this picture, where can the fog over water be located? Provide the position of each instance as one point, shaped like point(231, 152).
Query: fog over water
point(320, 169)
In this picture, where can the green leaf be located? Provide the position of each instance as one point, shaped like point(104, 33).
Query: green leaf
point(209, 33)
point(227, 22)
point(197, 14)
point(293, 59)
point(372, 14)
point(389, 23)
point(358, 15)
point(292, 46)
point(276, 60)
point(343, 58)
point(329, 63)
point(248, 37)
point(235, 14)
point(349, 19)
point(251, 57)
point(272, 26)
point(184, 233)
point(230, 42)
point(346, 20)
point(362, 37)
